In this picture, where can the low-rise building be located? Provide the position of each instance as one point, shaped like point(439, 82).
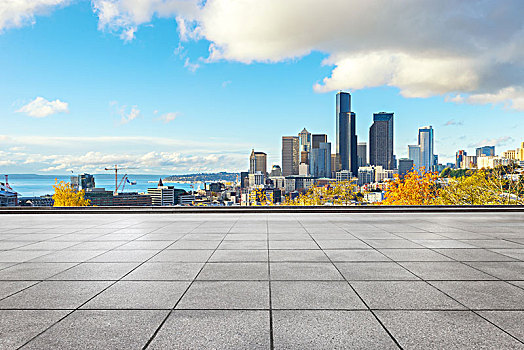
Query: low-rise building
point(491, 162)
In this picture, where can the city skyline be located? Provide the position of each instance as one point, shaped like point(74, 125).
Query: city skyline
point(84, 88)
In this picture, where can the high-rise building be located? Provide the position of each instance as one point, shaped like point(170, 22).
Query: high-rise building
point(404, 166)
point(305, 140)
point(346, 143)
point(320, 162)
point(83, 182)
point(485, 151)
point(425, 141)
point(362, 154)
point(381, 140)
point(459, 157)
point(290, 155)
point(257, 162)
point(414, 155)
point(316, 139)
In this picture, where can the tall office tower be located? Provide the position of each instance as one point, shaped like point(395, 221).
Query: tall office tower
point(362, 154)
point(485, 151)
point(257, 162)
point(305, 140)
point(459, 157)
point(316, 139)
point(320, 162)
point(425, 141)
point(414, 155)
point(381, 141)
point(290, 155)
point(346, 146)
point(335, 164)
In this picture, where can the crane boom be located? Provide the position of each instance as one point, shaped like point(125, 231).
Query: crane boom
point(115, 169)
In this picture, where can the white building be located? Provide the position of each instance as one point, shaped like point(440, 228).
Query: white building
point(491, 162)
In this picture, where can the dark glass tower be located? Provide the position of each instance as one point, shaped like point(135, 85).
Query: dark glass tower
point(381, 140)
point(346, 147)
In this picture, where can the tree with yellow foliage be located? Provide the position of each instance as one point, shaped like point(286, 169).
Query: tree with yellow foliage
point(260, 198)
point(66, 196)
point(335, 193)
point(412, 189)
point(485, 187)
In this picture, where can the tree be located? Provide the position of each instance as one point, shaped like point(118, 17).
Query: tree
point(66, 196)
point(499, 186)
point(335, 193)
point(412, 189)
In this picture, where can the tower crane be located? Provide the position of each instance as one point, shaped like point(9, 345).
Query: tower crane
point(115, 169)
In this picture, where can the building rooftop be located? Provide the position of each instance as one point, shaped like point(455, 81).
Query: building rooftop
point(262, 281)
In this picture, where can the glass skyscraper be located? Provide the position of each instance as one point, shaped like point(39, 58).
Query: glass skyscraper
point(485, 151)
point(346, 147)
point(381, 141)
point(425, 141)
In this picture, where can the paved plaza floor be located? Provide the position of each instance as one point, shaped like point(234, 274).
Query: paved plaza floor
point(262, 281)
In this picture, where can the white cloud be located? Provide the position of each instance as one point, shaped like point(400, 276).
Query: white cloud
point(16, 13)
point(471, 51)
point(453, 122)
point(192, 67)
point(40, 108)
point(169, 117)
point(175, 162)
point(500, 141)
point(126, 113)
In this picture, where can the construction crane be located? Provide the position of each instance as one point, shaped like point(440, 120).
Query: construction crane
point(115, 169)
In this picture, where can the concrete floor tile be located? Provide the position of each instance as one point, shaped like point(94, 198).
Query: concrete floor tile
point(445, 270)
point(226, 295)
point(484, 295)
point(19, 326)
point(329, 330)
point(314, 295)
point(445, 330)
point(165, 271)
point(139, 295)
point(54, 295)
point(369, 271)
point(247, 271)
point(303, 271)
point(214, 329)
point(101, 329)
point(405, 295)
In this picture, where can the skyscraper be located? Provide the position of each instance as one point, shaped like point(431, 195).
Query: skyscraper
point(290, 155)
point(320, 161)
point(381, 140)
point(459, 157)
point(425, 141)
point(486, 151)
point(404, 166)
point(305, 140)
point(316, 139)
point(257, 162)
point(346, 146)
point(414, 155)
point(362, 154)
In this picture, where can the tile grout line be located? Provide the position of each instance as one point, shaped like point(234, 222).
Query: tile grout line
point(271, 335)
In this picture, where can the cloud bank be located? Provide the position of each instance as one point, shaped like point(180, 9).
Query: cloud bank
point(467, 51)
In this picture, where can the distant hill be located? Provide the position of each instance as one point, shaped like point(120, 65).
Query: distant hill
point(204, 177)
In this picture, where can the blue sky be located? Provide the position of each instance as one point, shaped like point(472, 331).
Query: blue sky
point(77, 93)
